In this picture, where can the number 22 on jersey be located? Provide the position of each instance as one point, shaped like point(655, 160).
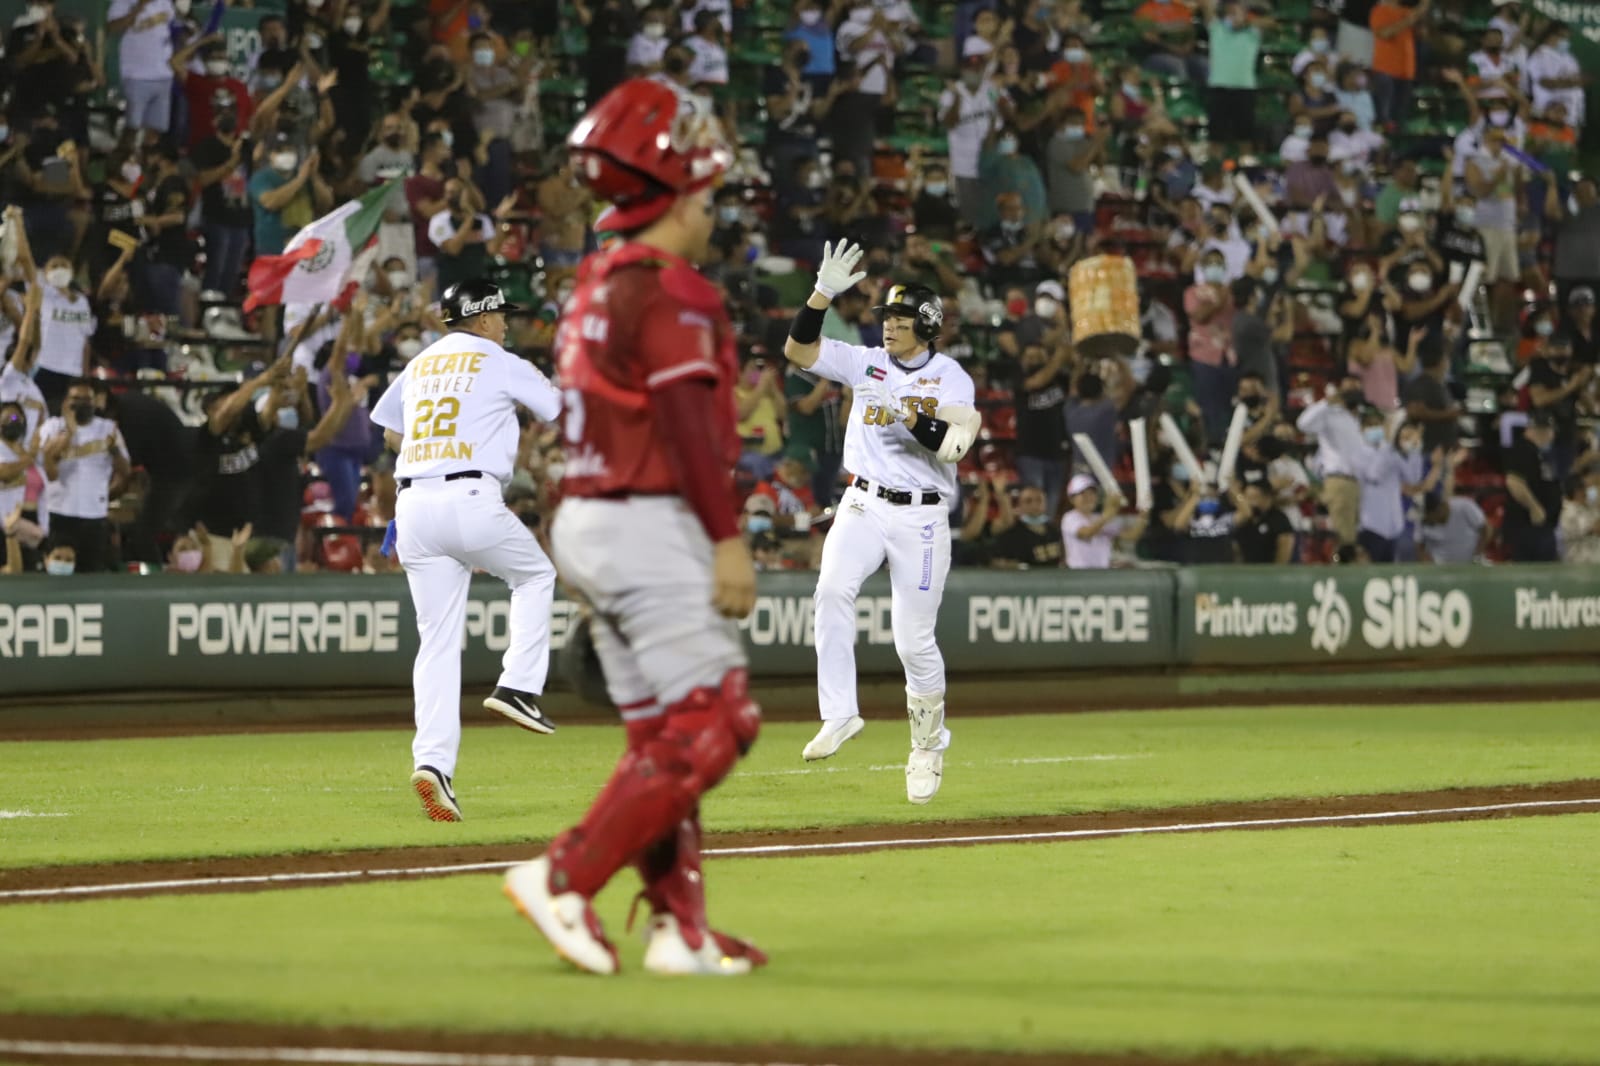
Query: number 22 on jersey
point(926, 406)
point(435, 419)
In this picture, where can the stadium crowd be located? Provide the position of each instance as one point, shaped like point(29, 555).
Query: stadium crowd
point(1408, 317)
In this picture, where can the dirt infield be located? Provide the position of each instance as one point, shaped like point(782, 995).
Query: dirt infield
point(254, 873)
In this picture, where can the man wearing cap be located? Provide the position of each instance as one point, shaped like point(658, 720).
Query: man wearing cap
point(1534, 508)
point(971, 109)
point(1087, 538)
point(451, 414)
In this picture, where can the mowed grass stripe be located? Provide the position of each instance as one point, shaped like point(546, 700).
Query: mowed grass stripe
point(1449, 942)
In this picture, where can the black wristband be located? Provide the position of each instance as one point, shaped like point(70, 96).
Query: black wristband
point(929, 432)
point(807, 325)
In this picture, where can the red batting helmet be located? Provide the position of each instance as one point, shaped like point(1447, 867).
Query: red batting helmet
point(644, 144)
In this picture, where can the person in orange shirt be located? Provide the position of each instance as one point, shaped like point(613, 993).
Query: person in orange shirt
point(1167, 29)
point(1394, 56)
point(1075, 73)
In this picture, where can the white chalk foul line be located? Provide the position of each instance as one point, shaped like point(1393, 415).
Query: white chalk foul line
point(363, 1056)
point(900, 766)
point(29, 814)
point(68, 891)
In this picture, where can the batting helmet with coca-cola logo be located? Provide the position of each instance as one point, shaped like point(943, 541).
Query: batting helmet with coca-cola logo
point(643, 145)
point(468, 299)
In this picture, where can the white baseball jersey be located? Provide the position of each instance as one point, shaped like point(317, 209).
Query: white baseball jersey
point(889, 455)
point(455, 407)
point(83, 482)
point(65, 325)
point(17, 387)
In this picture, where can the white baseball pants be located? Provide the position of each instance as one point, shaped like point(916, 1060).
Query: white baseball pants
point(446, 530)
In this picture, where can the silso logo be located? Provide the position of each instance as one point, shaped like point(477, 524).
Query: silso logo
point(1401, 616)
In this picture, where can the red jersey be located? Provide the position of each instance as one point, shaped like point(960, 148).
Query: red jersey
point(639, 320)
point(198, 88)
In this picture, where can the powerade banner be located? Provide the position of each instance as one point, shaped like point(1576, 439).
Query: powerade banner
point(319, 631)
point(1247, 615)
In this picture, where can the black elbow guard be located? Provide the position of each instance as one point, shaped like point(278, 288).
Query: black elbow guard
point(807, 325)
point(929, 432)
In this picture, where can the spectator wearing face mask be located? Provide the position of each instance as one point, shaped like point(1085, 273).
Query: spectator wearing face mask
point(1493, 115)
point(811, 26)
point(1353, 146)
point(1261, 533)
point(86, 462)
point(1315, 99)
point(1235, 38)
point(1533, 511)
point(464, 236)
point(425, 198)
point(1070, 154)
point(1251, 331)
point(1355, 97)
point(391, 159)
point(1554, 74)
point(1424, 303)
point(1580, 327)
point(223, 164)
point(1318, 49)
point(1040, 395)
point(1010, 246)
point(935, 215)
point(19, 453)
point(1580, 520)
point(1092, 411)
point(972, 109)
point(495, 89)
point(1494, 71)
point(1021, 537)
point(1333, 423)
point(1554, 384)
point(1379, 365)
point(648, 47)
point(145, 51)
point(1454, 530)
point(1391, 469)
point(1311, 180)
point(1212, 359)
point(203, 90)
point(1088, 538)
point(66, 325)
point(1394, 56)
point(283, 414)
point(1403, 186)
point(286, 195)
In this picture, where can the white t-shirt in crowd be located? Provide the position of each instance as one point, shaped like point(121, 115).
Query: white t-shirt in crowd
point(710, 63)
point(455, 406)
point(889, 455)
point(1547, 62)
point(646, 51)
point(146, 48)
point(82, 487)
point(876, 80)
point(17, 387)
point(65, 325)
point(722, 8)
point(1091, 554)
point(979, 115)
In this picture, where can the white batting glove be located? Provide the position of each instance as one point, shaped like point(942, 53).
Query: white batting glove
point(876, 393)
point(838, 270)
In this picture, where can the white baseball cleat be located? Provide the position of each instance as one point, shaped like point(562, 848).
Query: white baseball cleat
point(567, 920)
point(831, 737)
point(924, 770)
point(667, 952)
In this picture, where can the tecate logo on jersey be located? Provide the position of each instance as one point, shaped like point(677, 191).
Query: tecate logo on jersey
point(1060, 619)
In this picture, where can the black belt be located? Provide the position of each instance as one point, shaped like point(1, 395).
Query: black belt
point(460, 475)
point(899, 499)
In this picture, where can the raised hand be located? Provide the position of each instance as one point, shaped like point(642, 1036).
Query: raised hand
point(838, 269)
point(241, 536)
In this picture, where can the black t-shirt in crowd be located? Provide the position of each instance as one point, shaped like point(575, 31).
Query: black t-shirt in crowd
point(1258, 537)
point(1586, 350)
point(801, 126)
point(50, 82)
point(226, 203)
point(279, 474)
point(1535, 468)
point(1433, 395)
point(1033, 545)
point(227, 481)
point(157, 439)
point(1565, 410)
point(1458, 243)
point(937, 217)
point(115, 210)
point(1041, 427)
point(172, 245)
point(1210, 535)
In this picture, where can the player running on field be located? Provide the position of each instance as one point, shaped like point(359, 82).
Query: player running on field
point(451, 415)
point(647, 534)
point(912, 420)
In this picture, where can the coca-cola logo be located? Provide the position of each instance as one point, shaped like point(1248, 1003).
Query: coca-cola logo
point(493, 302)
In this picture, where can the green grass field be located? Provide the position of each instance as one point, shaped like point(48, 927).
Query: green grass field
point(1448, 942)
point(280, 793)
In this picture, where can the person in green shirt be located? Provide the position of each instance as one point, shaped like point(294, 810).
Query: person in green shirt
point(1235, 36)
point(1403, 185)
point(816, 428)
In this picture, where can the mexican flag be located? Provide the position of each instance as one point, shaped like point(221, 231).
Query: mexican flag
point(326, 260)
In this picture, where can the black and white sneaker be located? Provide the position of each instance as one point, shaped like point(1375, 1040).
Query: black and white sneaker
point(521, 708)
point(438, 798)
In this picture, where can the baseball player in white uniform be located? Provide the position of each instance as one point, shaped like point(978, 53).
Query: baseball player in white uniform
point(451, 415)
point(913, 418)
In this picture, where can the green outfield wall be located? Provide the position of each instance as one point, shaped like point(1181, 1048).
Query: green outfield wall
point(321, 631)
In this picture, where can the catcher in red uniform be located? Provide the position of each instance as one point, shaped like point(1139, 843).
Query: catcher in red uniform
point(647, 534)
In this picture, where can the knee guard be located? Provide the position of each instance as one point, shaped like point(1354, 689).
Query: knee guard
point(708, 731)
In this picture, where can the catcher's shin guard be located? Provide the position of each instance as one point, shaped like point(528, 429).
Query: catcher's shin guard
point(658, 783)
point(673, 884)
